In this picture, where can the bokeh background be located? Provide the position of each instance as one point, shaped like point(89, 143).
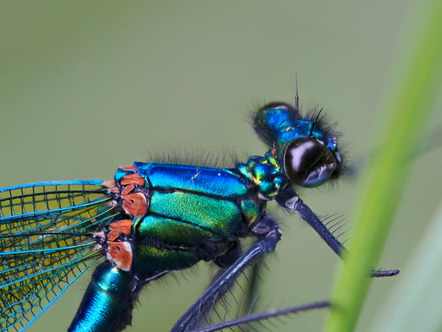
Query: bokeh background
point(88, 86)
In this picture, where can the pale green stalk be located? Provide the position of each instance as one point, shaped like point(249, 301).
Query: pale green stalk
point(408, 112)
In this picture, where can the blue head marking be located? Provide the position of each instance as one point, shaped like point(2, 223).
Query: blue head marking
point(304, 144)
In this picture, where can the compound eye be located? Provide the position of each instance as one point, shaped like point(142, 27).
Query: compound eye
point(308, 162)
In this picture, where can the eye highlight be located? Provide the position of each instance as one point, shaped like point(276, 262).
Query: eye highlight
point(308, 162)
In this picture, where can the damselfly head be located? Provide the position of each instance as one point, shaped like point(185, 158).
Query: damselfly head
point(305, 147)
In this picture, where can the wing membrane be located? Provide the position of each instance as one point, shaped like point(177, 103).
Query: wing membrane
point(46, 243)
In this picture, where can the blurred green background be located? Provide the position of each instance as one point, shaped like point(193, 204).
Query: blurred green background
point(88, 86)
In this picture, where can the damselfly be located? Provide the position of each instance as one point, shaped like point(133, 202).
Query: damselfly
point(158, 217)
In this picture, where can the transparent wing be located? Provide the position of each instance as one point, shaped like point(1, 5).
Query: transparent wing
point(46, 243)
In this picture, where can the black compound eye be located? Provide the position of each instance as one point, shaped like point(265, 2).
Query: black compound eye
point(308, 162)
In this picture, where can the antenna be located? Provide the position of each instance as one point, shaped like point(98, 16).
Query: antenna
point(297, 95)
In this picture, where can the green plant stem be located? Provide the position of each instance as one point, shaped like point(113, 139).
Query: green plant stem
point(387, 175)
